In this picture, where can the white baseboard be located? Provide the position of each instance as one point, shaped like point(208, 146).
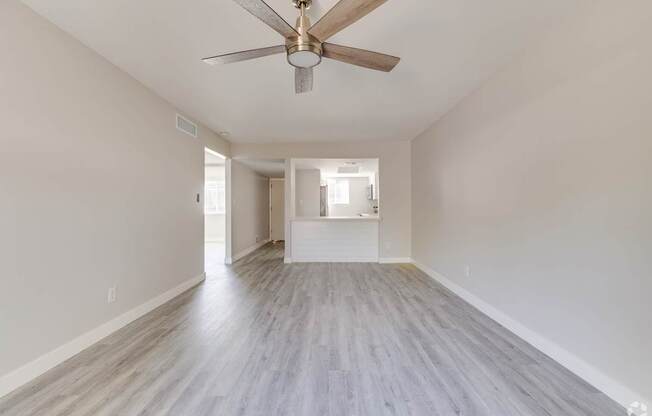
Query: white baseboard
point(33, 369)
point(386, 260)
point(249, 250)
point(327, 260)
point(612, 388)
point(394, 260)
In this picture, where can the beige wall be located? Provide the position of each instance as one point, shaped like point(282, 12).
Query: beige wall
point(394, 180)
point(249, 207)
point(308, 183)
point(541, 183)
point(97, 188)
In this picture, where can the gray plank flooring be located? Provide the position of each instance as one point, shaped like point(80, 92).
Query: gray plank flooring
point(265, 338)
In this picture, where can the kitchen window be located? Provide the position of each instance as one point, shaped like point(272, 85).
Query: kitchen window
point(338, 192)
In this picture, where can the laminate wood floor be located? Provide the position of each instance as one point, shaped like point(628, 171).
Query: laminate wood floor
point(266, 338)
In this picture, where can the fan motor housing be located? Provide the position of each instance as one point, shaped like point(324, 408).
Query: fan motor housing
point(303, 44)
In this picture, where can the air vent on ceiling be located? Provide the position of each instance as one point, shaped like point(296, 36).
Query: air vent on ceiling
point(186, 126)
point(348, 169)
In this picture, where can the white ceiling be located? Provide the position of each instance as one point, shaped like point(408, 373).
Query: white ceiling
point(271, 168)
point(448, 48)
point(329, 167)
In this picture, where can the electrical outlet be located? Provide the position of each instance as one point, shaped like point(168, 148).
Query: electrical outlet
point(110, 298)
point(257, 239)
point(467, 271)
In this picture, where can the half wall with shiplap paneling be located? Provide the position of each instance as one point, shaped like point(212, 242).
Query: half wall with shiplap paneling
point(335, 240)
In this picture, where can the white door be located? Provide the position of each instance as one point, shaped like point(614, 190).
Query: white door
point(277, 209)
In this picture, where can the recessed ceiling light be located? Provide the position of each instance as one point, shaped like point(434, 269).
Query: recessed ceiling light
point(223, 133)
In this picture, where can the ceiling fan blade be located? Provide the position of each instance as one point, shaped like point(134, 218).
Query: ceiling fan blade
point(343, 14)
point(244, 55)
point(302, 80)
point(261, 10)
point(360, 57)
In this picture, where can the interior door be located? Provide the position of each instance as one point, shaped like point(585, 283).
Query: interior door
point(277, 210)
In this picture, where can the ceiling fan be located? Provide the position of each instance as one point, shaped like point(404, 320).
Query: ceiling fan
point(305, 45)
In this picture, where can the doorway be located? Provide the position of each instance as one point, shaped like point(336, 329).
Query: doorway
point(277, 209)
point(215, 211)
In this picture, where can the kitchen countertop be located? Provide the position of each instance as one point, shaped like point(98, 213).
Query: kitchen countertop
point(353, 218)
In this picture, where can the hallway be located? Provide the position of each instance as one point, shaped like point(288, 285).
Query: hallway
point(214, 258)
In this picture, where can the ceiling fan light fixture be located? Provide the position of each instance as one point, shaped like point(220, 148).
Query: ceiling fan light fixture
point(304, 57)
